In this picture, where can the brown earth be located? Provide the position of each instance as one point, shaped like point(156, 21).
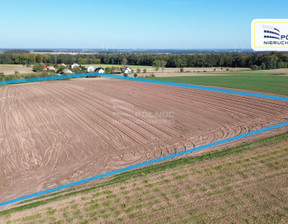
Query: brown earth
point(180, 74)
point(52, 133)
point(249, 186)
point(199, 69)
point(10, 69)
point(203, 71)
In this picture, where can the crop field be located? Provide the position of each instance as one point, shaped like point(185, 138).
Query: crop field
point(53, 133)
point(267, 81)
point(120, 66)
point(10, 69)
point(243, 184)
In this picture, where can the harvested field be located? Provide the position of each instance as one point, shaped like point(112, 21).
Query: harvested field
point(52, 133)
point(198, 69)
point(10, 69)
point(182, 74)
point(204, 71)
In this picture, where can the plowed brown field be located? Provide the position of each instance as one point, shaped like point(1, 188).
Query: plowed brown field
point(52, 133)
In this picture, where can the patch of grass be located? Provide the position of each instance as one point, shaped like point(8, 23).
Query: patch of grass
point(93, 207)
point(74, 206)
point(51, 211)
point(77, 213)
point(32, 217)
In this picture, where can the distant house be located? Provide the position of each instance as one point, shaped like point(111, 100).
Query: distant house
point(75, 65)
point(62, 64)
point(66, 71)
point(90, 68)
point(126, 70)
point(99, 70)
point(50, 68)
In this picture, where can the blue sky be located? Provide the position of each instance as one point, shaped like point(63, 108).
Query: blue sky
point(183, 24)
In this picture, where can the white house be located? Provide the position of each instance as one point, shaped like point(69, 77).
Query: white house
point(126, 70)
point(75, 65)
point(90, 68)
point(99, 70)
point(66, 71)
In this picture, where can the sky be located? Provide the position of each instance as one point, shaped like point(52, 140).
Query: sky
point(133, 24)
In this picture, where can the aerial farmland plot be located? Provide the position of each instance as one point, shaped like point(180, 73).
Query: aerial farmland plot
point(54, 133)
point(172, 112)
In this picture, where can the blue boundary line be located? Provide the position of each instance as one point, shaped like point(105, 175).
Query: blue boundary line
point(206, 88)
point(144, 163)
point(154, 160)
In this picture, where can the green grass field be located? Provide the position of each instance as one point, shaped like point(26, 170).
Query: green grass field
point(256, 81)
point(243, 184)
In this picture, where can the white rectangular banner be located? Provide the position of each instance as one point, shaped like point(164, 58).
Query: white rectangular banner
point(269, 35)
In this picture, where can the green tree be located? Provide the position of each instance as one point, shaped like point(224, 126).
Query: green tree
point(124, 61)
point(38, 67)
point(163, 64)
point(263, 66)
point(61, 68)
point(157, 64)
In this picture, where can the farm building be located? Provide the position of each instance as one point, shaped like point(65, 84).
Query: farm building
point(75, 65)
point(90, 68)
point(126, 70)
point(99, 70)
point(50, 68)
point(66, 71)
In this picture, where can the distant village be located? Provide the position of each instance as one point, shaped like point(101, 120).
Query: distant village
point(63, 69)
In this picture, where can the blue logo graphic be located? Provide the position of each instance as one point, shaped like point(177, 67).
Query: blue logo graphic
point(271, 32)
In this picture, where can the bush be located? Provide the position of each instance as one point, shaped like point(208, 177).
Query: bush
point(2, 76)
point(254, 67)
point(135, 75)
point(16, 72)
point(181, 69)
point(44, 74)
point(263, 66)
point(125, 75)
point(107, 70)
point(144, 70)
point(38, 67)
point(31, 76)
point(138, 70)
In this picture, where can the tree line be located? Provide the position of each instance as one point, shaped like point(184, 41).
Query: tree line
point(254, 61)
